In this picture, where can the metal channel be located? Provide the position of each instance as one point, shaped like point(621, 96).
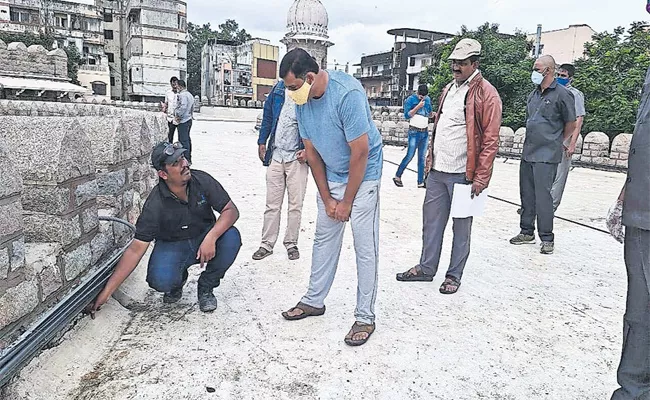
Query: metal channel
point(41, 332)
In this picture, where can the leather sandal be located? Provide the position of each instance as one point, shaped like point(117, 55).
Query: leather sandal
point(359, 327)
point(411, 276)
point(307, 311)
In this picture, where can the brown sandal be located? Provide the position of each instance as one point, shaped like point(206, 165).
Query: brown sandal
point(450, 285)
point(307, 311)
point(359, 327)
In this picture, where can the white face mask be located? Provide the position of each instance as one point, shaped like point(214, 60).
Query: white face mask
point(537, 77)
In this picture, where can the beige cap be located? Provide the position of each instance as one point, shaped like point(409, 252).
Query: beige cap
point(466, 48)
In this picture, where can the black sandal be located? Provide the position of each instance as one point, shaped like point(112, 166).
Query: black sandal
point(450, 285)
point(417, 276)
point(307, 311)
point(359, 327)
point(398, 182)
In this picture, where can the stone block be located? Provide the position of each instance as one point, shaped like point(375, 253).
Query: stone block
point(77, 261)
point(58, 149)
point(46, 199)
point(17, 254)
point(520, 136)
point(4, 263)
point(621, 163)
point(46, 228)
point(11, 219)
point(101, 243)
point(621, 143)
point(18, 302)
point(86, 192)
point(599, 160)
point(110, 143)
point(111, 183)
point(624, 156)
point(89, 219)
point(42, 259)
point(597, 141)
point(11, 179)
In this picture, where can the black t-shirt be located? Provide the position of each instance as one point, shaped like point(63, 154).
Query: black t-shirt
point(165, 217)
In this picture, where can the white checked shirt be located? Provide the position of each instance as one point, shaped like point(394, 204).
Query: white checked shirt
point(450, 145)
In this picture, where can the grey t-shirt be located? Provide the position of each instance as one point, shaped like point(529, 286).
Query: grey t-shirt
point(546, 114)
point(287, 137)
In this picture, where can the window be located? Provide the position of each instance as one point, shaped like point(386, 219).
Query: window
point(111, 57)
point(99, 88)
point(108, 15)
point(61, 20)
point(24, 16)
point(92, 61)
point(267, 69)
point(375, 68)
point(425, 62)
point(112, 81)
point(412, 62)
point(85, 50)
point(108, 34)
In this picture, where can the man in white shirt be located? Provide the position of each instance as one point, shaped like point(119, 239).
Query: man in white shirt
point(169, 107)
point(469, 107)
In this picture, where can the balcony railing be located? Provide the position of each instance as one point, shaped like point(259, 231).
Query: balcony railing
point(375, 74)
point(94, 68)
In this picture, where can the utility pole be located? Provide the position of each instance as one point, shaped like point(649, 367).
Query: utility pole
point(538, 40)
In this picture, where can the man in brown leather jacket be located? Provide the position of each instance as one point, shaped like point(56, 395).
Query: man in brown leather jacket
point(464, 144)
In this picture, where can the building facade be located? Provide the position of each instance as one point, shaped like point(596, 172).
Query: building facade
point(130, 48)
point(307, 23)
point(565, 45)
point(390, 77)
point(232, 71)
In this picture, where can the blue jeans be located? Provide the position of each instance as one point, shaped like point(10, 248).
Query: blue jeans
point(169, 261)
point(184, 138)
point(417, 141)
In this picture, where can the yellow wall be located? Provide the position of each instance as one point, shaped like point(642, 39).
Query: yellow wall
point(265, 52)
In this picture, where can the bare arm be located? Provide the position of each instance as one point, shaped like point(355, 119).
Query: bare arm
point(227, 218)
point(317, 169)
point(576, 133)
point(569, 129)
point(125, 266)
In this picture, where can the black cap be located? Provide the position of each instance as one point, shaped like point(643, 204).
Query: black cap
point(159, 158)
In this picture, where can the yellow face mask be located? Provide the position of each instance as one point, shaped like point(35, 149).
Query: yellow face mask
point(300, 96)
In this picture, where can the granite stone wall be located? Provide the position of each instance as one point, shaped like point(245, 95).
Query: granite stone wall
point(64, 164)
point(592, 150)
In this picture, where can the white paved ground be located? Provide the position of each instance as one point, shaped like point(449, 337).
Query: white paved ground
point(523, 326)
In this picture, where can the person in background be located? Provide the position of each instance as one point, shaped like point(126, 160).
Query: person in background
point(287, 171)
point(565, 78)
point(418, 110)
point(551, 120)
point(169, 107)
point(183, 116)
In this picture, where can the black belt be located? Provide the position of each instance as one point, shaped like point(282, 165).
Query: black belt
point(412, 128)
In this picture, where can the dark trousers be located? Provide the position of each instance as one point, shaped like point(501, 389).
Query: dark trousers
point(435, 215)
point(172, 129)
point(169, 261)
point(184, 138)
point(634, 369)
point(535, 183)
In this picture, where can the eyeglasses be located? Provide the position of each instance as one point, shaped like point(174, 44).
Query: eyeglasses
point(171, 148)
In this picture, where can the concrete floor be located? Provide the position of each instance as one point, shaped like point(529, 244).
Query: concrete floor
point(523, 325)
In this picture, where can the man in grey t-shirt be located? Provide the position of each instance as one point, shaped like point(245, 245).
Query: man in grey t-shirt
point(551, 117)
point(565, 78)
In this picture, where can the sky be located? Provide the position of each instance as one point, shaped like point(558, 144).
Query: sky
point(359, 27)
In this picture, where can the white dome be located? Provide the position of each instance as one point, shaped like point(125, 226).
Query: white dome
point(307, 17)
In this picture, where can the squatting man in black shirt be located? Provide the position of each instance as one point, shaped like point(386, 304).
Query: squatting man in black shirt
point(179, 215)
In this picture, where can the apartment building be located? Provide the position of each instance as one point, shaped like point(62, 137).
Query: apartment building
point(131, 48)
point(232, 71)
point(565, 45)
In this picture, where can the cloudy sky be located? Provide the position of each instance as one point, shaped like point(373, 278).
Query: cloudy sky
point(359, 26)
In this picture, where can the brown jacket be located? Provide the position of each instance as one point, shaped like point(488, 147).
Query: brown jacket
point(483, 117)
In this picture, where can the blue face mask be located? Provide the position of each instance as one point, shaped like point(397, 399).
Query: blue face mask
point(563, 81)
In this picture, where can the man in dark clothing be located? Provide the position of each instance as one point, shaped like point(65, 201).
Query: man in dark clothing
point(551, 119)
point(179, 215)
point(634, 369)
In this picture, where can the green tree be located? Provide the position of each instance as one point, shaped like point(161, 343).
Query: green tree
point(198, 37)
point(611, 76)
point(505, 62)
point(47, 40)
